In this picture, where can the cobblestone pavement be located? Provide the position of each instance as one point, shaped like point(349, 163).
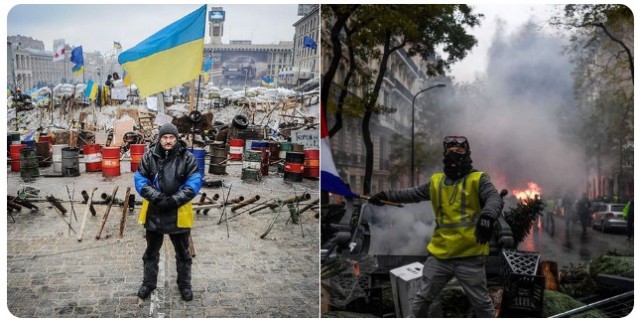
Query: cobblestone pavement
point(52, 275)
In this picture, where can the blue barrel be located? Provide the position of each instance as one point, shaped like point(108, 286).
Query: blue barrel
point(200, 154)
point(29, 143)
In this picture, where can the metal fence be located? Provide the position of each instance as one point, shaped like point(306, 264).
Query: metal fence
point(616, 307)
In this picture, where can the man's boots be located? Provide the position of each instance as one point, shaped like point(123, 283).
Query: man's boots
point(150, 276)
point(184, 279)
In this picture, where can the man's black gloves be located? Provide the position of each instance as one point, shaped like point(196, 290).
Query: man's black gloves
point(166, 202)
point(376, 198)
point(484, 229)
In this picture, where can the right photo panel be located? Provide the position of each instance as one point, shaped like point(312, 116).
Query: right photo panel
point(476, 161)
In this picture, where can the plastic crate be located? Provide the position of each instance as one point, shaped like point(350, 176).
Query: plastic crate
point(523, 288)
point(520, 262)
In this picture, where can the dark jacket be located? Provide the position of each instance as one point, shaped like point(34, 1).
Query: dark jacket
point(175, 175)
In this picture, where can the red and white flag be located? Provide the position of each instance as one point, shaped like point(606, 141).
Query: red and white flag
point(329, 178)
point(59, 54)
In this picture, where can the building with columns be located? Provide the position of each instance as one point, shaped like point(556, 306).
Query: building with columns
point(306, 60)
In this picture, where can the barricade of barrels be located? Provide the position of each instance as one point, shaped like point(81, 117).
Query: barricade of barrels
point(257, 156)
point(27, 156)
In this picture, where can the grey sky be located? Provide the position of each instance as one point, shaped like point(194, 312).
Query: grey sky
point(513, 17)
point(97, 26)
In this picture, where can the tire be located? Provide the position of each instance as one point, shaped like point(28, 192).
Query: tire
point(240, 122)
point(212, 133)
point(195, 117)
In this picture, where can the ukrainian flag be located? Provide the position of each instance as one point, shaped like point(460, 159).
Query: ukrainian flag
point(169, 57)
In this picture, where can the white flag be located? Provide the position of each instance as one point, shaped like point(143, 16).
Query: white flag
point(59, 54)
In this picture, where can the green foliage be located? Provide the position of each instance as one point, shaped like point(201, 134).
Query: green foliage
point(454, 302)
point(419, 29)
point(612, 265)
point(576, 280)
point(601, 46)
point(426, 155)
point(556, 303)
point(522, 217)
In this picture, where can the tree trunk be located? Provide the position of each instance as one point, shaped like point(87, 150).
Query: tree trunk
point(345, 87)
point(366, 133)
point(341, 20)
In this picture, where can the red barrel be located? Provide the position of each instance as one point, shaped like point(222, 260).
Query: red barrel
point(236, 147)
point(14, 151)
point(312, 162)
point(92, 158)
point(46, 138)
point(137, 150)
point(110, 161)
point(274, 148)
point(294, 167)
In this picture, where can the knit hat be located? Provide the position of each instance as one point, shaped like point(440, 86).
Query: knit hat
point(168, 128)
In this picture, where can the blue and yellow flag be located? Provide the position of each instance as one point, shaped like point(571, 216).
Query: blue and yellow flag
point(116, 45)
point(168, 58)
point(266, 81)
point(87, 90)
point(126, 78)
point(78, 59)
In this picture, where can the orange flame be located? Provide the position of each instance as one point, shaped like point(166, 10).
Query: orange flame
point(531, 192)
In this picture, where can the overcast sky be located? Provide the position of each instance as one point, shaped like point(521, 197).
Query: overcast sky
point(512, 17)
point(97, 26)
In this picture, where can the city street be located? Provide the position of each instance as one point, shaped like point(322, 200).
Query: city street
point(235, 273)
point(563, 242)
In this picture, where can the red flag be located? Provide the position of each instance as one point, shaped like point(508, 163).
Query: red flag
point(59, 54)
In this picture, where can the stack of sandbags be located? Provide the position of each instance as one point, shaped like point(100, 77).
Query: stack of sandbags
point(79, 91)
point(63, 90)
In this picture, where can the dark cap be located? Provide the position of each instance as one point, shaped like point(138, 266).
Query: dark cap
point(168, 128)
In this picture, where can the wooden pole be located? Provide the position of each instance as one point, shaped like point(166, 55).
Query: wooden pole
point(86, 214)
point(106, 213)
point(125, 208)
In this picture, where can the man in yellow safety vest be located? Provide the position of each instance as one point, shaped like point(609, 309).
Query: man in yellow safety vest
point(465, 204)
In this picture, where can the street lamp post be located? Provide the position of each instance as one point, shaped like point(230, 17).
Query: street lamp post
point(413, 107)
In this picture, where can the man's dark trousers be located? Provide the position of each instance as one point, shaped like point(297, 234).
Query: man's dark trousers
point(151, 258)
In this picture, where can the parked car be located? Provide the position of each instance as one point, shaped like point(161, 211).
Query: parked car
point(240, 66)
point(608, 216)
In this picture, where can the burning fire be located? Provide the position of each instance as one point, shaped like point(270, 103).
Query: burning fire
point(531, 192)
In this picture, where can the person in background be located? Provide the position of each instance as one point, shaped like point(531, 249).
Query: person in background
point(109, 82)
point(466, 204)
point(627, 213)
point(584, 213)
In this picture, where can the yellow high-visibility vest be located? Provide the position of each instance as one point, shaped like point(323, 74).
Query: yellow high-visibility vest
point(457, 208)
point(185, 215)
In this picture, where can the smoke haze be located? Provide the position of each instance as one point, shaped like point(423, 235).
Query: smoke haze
point(516, 134)
point(514, 119)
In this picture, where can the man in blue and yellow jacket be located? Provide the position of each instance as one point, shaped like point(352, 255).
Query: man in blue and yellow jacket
point(465, 204)
point(168, 179)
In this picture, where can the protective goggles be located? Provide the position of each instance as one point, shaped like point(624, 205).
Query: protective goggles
point(455, 141)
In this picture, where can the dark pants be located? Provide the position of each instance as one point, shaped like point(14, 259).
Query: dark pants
point(151, 258)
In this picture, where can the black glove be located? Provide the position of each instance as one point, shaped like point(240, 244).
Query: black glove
point(484, 229)
point(166, 202)
point(376, 198)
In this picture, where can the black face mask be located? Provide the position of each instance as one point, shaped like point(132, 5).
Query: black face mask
point(457, 165)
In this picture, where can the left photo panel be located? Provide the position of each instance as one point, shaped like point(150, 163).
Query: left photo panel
point(162, 161)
